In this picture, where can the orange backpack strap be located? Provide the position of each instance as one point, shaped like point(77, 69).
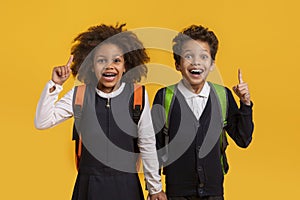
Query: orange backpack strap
point(79, 98)
point(80, 95)
point(138, 96)
point(138, 104)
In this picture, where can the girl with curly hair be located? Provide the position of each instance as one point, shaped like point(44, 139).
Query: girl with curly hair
point(109, 60)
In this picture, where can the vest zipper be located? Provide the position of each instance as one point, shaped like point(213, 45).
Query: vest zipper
point(108, 103)
point(108, 129)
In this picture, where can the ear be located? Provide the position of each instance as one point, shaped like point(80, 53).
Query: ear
point(178, 68)
point(125, 67)
point(212, 66)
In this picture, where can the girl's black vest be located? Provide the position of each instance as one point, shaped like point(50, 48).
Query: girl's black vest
point(108, 132)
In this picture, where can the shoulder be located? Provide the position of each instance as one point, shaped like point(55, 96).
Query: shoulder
point(79, 90)
point(163, 92)
point(220, 87)
point(170, 88)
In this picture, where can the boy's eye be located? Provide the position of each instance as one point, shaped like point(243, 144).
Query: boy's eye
point(204, 57)
point(188, 56)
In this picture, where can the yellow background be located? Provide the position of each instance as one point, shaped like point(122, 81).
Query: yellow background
point(259, 36)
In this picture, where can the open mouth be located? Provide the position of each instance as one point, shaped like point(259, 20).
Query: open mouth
point(109, 75)
point(196, 71)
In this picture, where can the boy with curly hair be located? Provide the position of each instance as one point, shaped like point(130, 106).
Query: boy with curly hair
point(189, 148)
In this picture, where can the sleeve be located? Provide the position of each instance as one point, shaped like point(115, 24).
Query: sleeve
point(240, 124)
point(146, 144)
point(49, 111)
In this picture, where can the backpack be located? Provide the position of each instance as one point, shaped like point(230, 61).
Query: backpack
point(220, 92)
point(137, 107)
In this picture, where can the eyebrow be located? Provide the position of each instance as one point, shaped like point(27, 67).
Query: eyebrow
point(117, 55)
point(188, 50)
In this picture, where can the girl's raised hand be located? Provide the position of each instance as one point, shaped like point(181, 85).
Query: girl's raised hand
point(61, 73)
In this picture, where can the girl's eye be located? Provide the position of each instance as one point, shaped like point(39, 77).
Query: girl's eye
point(101, 61)
point(116, 60)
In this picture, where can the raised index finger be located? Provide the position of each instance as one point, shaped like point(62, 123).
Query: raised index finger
point(70, 61)
point(240, 76)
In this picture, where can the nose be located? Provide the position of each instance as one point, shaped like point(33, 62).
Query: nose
point(110, 65)
point(196, 62)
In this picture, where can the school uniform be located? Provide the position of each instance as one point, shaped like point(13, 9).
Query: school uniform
point(104, 173)
point(188, 175)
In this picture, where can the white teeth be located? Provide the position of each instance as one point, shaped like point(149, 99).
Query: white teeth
point(196, 71)
point(109, 74)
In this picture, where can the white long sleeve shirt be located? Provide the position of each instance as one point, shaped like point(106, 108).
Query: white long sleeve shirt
point(51, 111)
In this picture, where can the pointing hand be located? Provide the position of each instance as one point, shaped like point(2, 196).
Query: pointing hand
point(241, 90)
point(61, 73)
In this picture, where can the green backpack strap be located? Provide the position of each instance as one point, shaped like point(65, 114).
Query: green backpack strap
point(222, 97)
point(168, 99)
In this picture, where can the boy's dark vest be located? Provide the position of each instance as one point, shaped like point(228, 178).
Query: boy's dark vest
point(206, 178)
point(219, 100)
point(105, 130)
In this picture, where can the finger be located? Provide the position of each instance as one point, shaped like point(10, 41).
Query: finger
point(240, 76)
point(243, 92)
point(242, 86)
point(66, 71)
point(63, 71)
point(234, 88)
point(247, 96)
point(57, 71)
point(70, 61)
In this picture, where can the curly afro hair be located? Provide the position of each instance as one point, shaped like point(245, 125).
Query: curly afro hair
point(84, 44)
point(196, 33)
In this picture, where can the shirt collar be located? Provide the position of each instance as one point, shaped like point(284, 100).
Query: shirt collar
point(189, 94)
point(112, 94)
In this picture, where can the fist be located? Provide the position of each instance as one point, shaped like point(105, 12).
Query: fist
point(159, 196)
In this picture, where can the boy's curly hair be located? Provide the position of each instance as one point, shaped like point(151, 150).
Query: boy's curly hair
point(196, 33)
point(85, 43)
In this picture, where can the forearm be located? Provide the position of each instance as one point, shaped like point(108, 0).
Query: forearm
point(49, 112)
point(240, 125)
point(146, 143)
point(150, 164)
